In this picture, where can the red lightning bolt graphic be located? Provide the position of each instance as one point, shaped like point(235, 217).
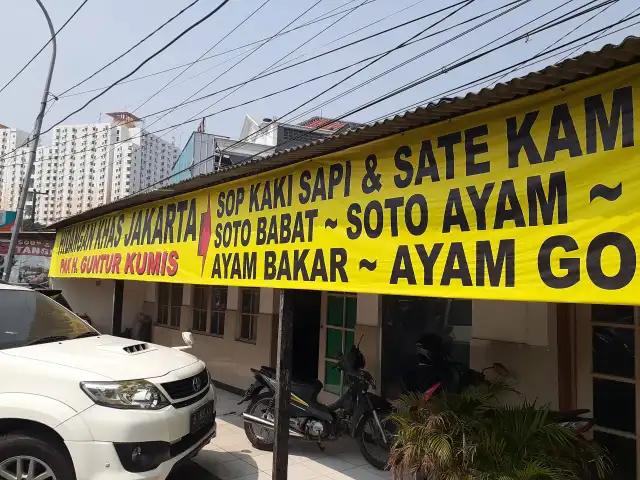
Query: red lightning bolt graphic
point(205, 234)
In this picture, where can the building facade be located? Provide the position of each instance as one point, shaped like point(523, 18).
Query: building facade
point(88, 165)
point(570, 341)
point(10, 140)
point(282, 136)
point(206, 153)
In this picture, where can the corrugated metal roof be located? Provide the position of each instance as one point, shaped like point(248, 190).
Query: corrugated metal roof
point(609, 57)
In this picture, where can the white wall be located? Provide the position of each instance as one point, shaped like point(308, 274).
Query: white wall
point(133, 301)
point(89, 296)
point(522, 336)
point(95, 298)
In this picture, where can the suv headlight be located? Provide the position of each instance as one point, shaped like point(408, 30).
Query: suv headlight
point(129, 394)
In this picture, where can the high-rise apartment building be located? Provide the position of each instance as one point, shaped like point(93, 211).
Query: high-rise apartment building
point(10, 140)
point(89, 165)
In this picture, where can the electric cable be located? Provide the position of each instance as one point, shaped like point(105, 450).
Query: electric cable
point(330, 52)
point(141, 134)
point(293, 86)
point(320, 18)
point(193, 117)
point(401, 90)
point(44, 46)
point(130, 49)
point(479, 81)
point(558, 40)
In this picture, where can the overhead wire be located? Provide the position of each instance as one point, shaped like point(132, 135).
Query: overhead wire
point(302, 83)
point(142, 133)
point(626, 17)
point(7, 154)
point(401, 90)
point(193, 117)
point(320, 18)
point(148, 59)
point(369, 64)
point(513, 68)
point(312, 58)
point(130, 49)
point(562, 37)
point(369, 37)
point(56, 33)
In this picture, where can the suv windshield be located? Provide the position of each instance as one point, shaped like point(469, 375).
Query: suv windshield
point(29, 317)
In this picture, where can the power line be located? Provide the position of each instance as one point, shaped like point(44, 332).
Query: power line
point(405, 88)
point(626, 17)
point(446, 17)
point(246, 19)
point(129, 50)
point(422, 54)
point(335, 40)
point(558, 40)
point(111, 63)
point(226, 71)
point(266, 69)
point(381, 57)
point(548, 25)
point(315, 57)
point(512, 68)
point(320, 18)
point(342, 47)
point(44, 46)
point(147, 60)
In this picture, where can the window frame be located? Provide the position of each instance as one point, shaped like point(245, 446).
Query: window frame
point(207, 309)
point(343, 329)
point(165, 305)
point(251, 316)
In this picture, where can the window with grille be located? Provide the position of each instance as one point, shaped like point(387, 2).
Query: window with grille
point(249, 311)
point(218, 310)
point(169, 304)
point(615, 336)
point(200, 304)
point(209, 309)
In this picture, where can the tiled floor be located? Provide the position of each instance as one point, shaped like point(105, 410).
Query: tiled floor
point(231, 456)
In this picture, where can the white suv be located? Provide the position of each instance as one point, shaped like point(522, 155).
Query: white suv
point(78, 405)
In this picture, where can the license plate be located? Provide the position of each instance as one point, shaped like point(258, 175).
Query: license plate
point(201, 417)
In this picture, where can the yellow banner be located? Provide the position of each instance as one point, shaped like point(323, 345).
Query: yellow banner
point(536, 199)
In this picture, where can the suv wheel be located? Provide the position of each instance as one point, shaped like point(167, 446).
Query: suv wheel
point(24, 457)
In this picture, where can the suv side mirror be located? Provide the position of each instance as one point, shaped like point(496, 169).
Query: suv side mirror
point(187, 338)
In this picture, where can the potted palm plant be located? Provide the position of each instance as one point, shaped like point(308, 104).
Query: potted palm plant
point(472, 436)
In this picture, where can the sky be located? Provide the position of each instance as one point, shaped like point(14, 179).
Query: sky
point(103, 30)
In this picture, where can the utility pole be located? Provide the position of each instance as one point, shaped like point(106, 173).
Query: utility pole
point(33, 149)
point(35, 194)
point(283, 381)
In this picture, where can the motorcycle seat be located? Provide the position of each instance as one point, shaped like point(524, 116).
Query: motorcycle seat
point(308, 387)
point(569, 415)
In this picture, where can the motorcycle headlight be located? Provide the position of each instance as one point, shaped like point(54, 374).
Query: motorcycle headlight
point(129, 394)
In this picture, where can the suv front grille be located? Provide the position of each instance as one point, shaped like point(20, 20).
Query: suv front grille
point(185, 387)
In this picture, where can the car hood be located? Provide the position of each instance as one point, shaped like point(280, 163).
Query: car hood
point(112, 357)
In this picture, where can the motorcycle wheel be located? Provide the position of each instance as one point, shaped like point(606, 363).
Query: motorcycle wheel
point(369, 429)
point(261, 438)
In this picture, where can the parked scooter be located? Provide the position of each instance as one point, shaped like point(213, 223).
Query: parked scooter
point(357, 412)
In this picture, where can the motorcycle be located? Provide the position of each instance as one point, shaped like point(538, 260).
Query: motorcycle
point(357, 412)
point(455, 377)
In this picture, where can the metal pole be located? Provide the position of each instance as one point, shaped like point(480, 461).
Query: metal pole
point(283, 392)
point(116, 317)
point(34, 147)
